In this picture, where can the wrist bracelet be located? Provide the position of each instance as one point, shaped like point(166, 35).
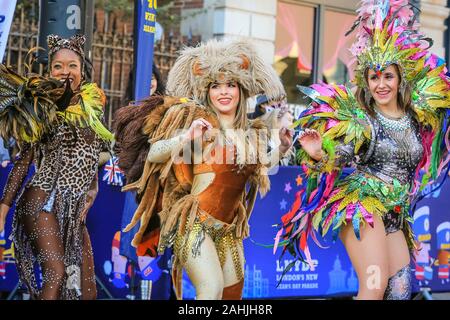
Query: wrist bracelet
point(319, 164)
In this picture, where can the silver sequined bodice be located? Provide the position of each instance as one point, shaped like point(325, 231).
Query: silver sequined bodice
point(393, 153)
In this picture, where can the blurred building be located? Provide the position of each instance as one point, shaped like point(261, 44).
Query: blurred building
point(304, 39)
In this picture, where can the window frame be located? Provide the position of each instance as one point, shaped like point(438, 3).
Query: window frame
point(320, 6)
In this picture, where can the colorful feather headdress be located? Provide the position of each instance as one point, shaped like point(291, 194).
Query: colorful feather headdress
point(387, 33)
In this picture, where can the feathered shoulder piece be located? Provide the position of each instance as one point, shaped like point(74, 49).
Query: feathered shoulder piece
point(335, 113)
point(88, 112)
point(431, 103)
point(153, 119)
point(131, 143)
point(430, 94)
point(28, 105)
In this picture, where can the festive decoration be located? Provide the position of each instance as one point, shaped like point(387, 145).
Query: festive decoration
point(74, 43)
point(387, 33)
point(113, 174)
point(30, 107)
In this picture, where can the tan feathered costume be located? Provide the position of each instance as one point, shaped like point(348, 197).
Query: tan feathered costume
point(164, 188)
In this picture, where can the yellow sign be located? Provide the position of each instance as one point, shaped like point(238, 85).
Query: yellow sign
point(148, 28)
point(152, 4)
point(149, 16)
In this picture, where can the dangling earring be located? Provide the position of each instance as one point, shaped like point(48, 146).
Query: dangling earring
point(367, 96)
point(402, 89)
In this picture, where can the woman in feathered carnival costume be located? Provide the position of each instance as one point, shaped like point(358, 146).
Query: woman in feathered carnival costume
point(197, 202)
point(393, 132)
point(60, 127)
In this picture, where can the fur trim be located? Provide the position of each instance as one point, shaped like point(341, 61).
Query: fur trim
point(160, 123)
point(162, 179)
point(131, 144)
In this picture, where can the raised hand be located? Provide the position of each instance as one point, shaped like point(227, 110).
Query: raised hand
point(197, 129)
point(311, 142)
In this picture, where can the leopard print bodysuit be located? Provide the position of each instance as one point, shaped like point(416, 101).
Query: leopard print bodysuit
point(47, 226)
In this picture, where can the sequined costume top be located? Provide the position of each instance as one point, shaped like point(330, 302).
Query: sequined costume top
point(396, 151)
point(66, 166)
point(393, 154)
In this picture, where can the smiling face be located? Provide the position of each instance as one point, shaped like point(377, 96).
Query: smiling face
point(66, 63)
point(225, 97)
point(384, 86)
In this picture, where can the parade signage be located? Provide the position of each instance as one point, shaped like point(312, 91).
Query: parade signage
point(64, 18)
point(333, 274)
point(144, 36)
point(7, 8)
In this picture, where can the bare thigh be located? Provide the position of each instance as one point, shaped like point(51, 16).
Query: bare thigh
point(369, 257)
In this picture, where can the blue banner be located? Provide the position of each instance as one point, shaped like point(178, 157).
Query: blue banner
point(7, 8)
point(144, 38)
point(151, 275)
point(333, 276)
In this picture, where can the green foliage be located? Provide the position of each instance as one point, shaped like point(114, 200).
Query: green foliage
point(127, 6)
point(26, 4)
point(164, 14)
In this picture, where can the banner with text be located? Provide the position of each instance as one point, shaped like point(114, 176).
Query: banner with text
point(7, 8)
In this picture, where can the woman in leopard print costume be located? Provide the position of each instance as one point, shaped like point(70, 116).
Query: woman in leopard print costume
point(49, 222)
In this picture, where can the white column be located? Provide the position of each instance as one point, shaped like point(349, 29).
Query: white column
point(432, 20)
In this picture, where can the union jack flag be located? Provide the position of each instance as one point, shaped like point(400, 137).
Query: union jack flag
point(113, 174)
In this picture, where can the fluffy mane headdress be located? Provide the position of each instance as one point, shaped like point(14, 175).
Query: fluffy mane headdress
point(223, 60)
